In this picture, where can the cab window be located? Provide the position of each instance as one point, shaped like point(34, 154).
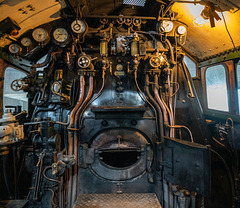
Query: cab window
point(238, 84)
point(216, 88)
point(191, 65)
point(11, 97)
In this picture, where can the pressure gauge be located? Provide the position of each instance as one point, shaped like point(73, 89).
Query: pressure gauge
point(40, 35)
point(166, 26)
point(26, 41)
point(181, 30)
point(84, 61)
point(14, 48)
point(60, 35)
point(78, 26)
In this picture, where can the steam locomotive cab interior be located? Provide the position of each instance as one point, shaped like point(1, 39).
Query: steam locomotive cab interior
point(131, 103)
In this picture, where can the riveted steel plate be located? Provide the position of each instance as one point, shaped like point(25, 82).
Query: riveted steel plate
point(141, 200)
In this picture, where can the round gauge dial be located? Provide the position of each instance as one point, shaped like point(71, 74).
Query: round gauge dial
point(26, 41)
point(40, 35)
point(166, 26)
point(181, 30)
point(119, 67)
point(14, 48)
point(60, 35)
point(78, 26)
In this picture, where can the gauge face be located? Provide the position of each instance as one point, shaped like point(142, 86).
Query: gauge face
point(26, 41)
point(78, 26)
point(60, 35)
point(119, 67)
point(14, 48)
point(166, 26)
point(39, 34)
point(181, 30)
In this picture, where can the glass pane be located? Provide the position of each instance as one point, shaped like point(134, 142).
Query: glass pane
point(41, 60)
point(217, 96)
point(191, 65)
point(238, 84)
point(10, 97)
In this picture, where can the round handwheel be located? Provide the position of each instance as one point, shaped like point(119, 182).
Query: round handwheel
point(17, 85)
point(155, 61)
point(84, 61)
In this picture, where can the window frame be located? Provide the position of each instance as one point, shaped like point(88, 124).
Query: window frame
point(198, 73)
point(235, 64)
point(229, 67)
point(2, 76)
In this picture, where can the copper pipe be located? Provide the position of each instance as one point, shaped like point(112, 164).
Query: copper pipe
point(172, 130)
point(157, 107)
point(88, 97)
point(160, 102)
point(70, 133)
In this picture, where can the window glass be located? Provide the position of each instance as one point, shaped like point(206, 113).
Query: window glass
point(41, 60)
point(10, 97)
point(191, 65)
point(238, 83)
point(216, 84)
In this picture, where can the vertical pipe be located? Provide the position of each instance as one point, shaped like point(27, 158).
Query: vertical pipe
point(160, 102)
point(158, 109)
point(172, 130)
point(4, 158)
point(165, 195)
point(70, 134)
point(88, 97)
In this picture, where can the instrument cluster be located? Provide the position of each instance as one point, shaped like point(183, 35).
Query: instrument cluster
point(41, 36)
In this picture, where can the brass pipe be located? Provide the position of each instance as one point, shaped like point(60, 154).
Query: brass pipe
point(157, 107)
point(160, 102)
point(75, 140)
point(70, 134)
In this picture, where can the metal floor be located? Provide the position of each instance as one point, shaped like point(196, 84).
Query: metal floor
point(143, 200)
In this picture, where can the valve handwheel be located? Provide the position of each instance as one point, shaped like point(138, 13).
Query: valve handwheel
point(84, 61)
point(155, 61)
point(17, 85)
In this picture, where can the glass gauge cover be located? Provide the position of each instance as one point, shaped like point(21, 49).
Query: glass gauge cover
point(40, 35)
point(166, 26)
point(60, 35)
point(181, 30)
point(56, 87)
point(26, 41)
point(14, 48)
point(78, 26)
